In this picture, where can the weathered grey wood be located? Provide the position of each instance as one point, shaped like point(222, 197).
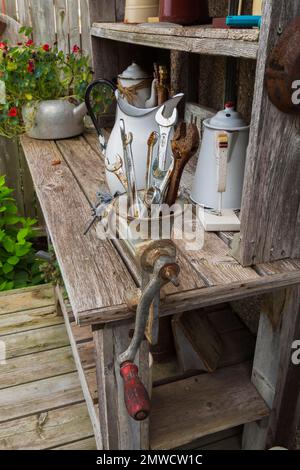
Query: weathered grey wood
point(38, 397)
point(199, 41)
point(73, 20)
point(99, 271)
point(38, 366)
point(29, 320)
point(24, 12)
point(119, 431)
point(42, 16)
point(81, 373)
point(270, 223)
point(46, 430)
point(62, 25)
point(274, 375)
point(85, 444)
point(187, 410)
point(24, 299)
point(9, 166)
point(11, 8)
point(86, 43)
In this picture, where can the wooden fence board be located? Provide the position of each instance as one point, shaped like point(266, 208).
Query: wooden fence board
point(43, 21)
point(62, 25)
point(73, 19)
point(24, 15)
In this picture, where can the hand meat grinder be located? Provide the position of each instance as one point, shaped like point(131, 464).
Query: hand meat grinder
point(130, 219)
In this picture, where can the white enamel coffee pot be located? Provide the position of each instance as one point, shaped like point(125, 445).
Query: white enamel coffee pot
point(137, 87)
point(221, 163)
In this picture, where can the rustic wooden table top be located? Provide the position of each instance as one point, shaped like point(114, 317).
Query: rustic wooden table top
point(96, 277)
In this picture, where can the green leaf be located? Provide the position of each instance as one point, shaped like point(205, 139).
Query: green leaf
point(3, 286)
point(22, 235)
point(13, 260)
point(7, 268)
point(2, 235)
point(10, 285)
point(22, 250)
point(2, 181)
point(11, 219)
point(11, 208)
point(8, 244)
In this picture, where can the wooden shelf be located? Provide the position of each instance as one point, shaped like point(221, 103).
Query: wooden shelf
point(197, 39)
point(185, 411)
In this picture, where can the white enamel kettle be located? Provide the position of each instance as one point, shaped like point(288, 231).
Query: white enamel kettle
point(219, 178)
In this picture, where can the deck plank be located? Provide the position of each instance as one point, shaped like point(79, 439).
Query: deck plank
point(29, 320)
point(46, 430)
point(38, 366)
point(24, 299)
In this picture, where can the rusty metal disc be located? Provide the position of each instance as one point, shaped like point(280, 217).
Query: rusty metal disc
point(283, 69)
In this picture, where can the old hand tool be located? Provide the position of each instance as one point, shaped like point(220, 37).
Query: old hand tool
point(165, 127)
point(184, 145)
point(152, 141)
point(158, 260)
point(117, 169)
point(132, 192)
point(156, 193)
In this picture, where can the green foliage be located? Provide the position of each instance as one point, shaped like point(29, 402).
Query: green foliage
point(18, 264)
point(50, 270)
point(33, 73)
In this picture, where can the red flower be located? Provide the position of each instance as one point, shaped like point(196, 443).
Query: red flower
point(19, 43)
point(3, 45)
point(29, 43)
point(30, 67)
point(46, 47)
point(76, 49)
point(13, 112)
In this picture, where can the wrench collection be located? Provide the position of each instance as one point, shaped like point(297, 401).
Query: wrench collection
point(159, 173)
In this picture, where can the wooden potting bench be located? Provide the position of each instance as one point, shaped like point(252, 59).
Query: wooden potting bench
point(263, 397)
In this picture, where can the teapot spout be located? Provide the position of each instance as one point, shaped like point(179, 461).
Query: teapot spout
point(152, 101)
point(80, 111)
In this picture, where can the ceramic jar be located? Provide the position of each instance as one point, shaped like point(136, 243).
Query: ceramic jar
point(184, 12)
point(138, 11)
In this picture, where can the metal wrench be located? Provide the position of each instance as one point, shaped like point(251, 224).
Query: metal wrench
point(153, 138)
point(156, 194)
point(165, 127)
point(132, 192)
point(117, 169)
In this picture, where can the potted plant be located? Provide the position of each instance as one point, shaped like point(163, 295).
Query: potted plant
point(42, 90)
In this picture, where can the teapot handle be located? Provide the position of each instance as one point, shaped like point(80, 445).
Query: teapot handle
point(90, 108)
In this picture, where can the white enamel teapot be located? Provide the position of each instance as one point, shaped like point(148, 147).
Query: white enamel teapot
point(219, 178)
point(140, 122)
point(137, 87)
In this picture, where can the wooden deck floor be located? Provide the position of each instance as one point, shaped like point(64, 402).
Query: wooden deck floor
point(41, 400)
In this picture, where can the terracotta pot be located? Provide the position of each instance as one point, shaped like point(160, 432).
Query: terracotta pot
point(184, 12)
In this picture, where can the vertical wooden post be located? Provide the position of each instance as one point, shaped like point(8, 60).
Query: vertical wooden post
point(270, 222)
point(275, 376)
point(119, 431)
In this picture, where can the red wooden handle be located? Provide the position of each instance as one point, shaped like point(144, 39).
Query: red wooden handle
point(136, 397)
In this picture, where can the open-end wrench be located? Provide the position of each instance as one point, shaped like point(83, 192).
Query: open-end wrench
point(156, 193)
point(152, 141)
point(165, 127)
point(117, 169)
point(132, 192)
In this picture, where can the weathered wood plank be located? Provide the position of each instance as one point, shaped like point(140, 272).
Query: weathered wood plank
point(40, 396)
point(270, 223)
point(94, 266)
point(85, 444)
point(196, 402)
point(86, 43)
point(29, 320)
point(25, 299)
point(73, 20)
point(85, 380)
point(275, 376)
point(46, 430)
point(62, 25)
point(214, 264)
point(38, 366)
point(177, 39)
point(42, 15)
point(11, 8)
point(29, 342)
point(24, 12)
